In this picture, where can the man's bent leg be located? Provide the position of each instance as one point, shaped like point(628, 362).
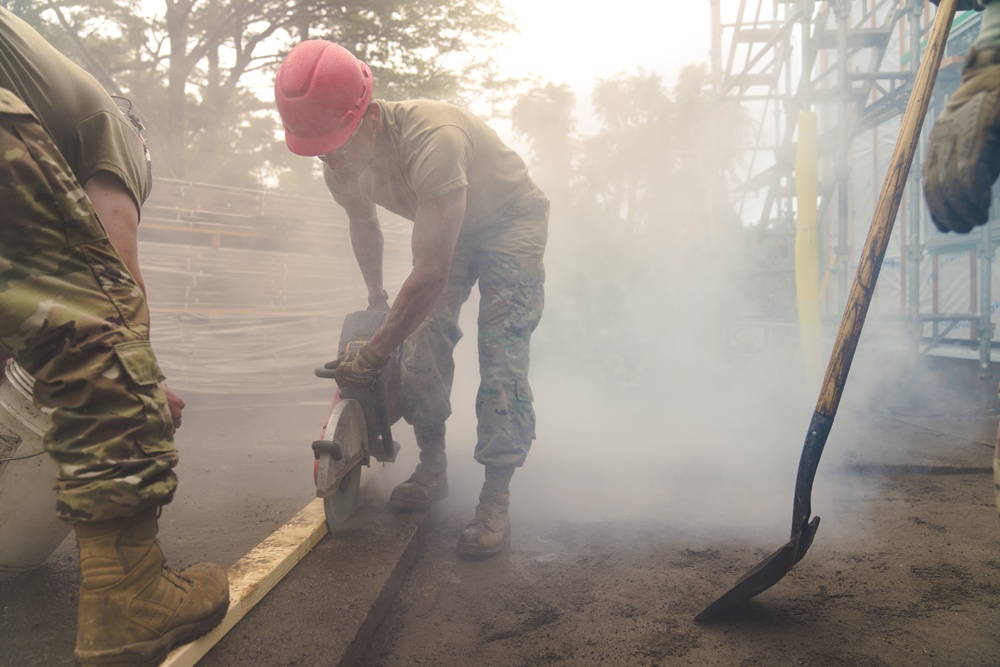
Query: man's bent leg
point(428, 365)
point(428, 369)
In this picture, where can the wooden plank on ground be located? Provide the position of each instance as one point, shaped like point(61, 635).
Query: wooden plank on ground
point(256, 573)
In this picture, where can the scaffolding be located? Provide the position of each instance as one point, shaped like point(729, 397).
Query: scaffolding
point(853, 63)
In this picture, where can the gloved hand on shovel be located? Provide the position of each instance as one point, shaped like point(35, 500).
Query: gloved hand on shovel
point(963, 160)
point(357, 369)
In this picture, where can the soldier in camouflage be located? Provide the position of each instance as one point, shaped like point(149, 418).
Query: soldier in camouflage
point(478, 218)
point(73, 314)
point(84, 338)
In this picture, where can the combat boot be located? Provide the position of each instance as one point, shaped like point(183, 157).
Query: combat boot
point(429, 482)
point(133, 609)
point(489, 531)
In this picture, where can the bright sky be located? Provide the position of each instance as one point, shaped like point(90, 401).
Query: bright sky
point(577, 43)
point(570, 42)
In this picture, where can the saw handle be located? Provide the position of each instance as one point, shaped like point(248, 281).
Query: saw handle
point(329, 369)
point(334, 449)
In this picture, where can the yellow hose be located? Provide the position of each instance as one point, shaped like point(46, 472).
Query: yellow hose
point(807, 286)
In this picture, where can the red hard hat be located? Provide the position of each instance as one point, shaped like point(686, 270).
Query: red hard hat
point(321, 92)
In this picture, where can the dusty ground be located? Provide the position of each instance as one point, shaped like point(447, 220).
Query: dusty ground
point(625, 527)
point(915, 583)
point(244, 471)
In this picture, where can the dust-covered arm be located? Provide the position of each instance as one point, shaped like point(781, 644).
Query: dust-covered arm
point(435, 233)
point(368, 244)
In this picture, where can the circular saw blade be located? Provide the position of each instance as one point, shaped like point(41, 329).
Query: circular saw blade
point(340, 504)
point(338, 467)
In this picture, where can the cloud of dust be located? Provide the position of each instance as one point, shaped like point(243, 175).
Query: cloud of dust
point(674, 408)
point(661, 392)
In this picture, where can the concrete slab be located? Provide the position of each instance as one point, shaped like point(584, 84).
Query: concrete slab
point(334, 598)
point(245, 472)
point(254, 575)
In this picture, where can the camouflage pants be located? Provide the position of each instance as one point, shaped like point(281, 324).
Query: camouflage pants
point(74, 318)
point(506, 260)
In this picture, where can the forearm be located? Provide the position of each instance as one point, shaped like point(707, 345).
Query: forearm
point(989, 31)
point(368, 243)
point(435, 233)
point(415, 299)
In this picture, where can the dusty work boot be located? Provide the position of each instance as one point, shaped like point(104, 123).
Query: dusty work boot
point(429, 482)
point(489, 532)
point(133, 609)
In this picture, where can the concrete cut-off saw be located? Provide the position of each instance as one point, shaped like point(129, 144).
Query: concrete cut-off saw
point(359, 426)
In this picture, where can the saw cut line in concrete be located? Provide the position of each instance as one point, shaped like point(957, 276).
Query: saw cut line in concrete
point(256, 573)
point(335, 597)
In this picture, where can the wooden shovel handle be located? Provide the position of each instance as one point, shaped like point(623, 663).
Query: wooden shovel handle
point(885, 214)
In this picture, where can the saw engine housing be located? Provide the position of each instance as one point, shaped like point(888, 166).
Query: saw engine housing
point(358, 427)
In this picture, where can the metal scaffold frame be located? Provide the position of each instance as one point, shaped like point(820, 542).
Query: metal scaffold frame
point(777, 58)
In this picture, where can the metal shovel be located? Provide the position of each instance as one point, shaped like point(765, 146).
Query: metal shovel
point(770, 571)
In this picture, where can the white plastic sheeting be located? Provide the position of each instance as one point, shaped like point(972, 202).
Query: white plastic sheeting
point(248, 290)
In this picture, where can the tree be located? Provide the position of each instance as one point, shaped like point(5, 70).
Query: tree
point(199, 71)
point(623, 164)
point(544, 115)
point(645, 239)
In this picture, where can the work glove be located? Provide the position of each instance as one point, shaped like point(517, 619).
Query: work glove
point(379, 302)
point(357, 369)
point(963, 160)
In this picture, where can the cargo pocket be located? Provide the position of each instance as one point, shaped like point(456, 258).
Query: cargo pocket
point(156, 435)
point(139, 362)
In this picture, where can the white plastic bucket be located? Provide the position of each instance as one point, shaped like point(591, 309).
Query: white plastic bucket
point(29, 529)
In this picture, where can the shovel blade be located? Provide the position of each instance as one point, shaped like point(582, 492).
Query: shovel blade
point(766, 574)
